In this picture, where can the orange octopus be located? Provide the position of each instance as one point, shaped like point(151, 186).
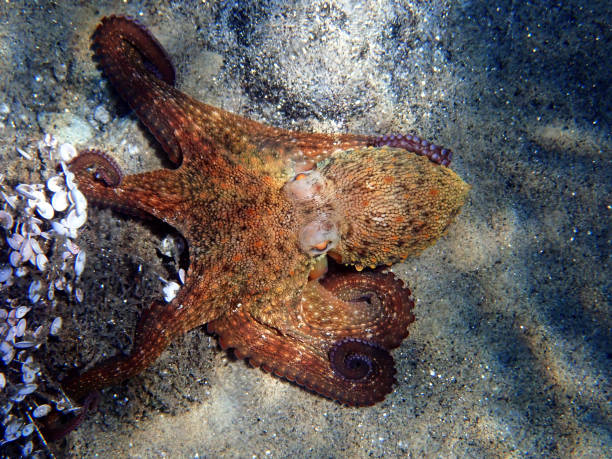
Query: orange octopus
point(260, 209)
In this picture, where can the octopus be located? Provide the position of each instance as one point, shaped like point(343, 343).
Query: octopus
point(262, 209)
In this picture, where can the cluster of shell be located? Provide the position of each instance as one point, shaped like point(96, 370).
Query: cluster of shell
point(40, 222)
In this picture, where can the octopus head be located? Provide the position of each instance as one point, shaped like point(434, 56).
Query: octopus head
point(375, 206)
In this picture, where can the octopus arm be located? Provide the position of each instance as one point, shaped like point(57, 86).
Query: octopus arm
point(196, 303)
point(142, 73)
point(335, 342)
point(154, 193)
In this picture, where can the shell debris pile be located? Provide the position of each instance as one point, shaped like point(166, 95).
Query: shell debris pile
point(40, 223)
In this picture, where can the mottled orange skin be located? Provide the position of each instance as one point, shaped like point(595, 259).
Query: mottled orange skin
point(234, 198)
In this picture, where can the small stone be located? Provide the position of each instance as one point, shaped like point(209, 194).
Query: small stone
point(101, 114)
point(68, 126)
point(60, 70)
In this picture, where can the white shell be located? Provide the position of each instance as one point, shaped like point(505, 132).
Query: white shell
point(26, 389)
point(79, 200)
point(42, 262)
point(6, 220)
point(59, 228)
point(15, 240)
point(35, 246)
point(5, 347)
point(59, 201)
point(67, 152)
point(8, 356)
point(78, 294)
point(56, 326)
point(45, 210)
point(181, 275)
point(15, 259)
point(74, 220)
point(41, 411)
point(12, 428)
point(59, 283)
point(10, 200)
point(70, 183)
point(21, 311)
point(51, 292)
point(26, 250)
point(56, 183)
point(38, 332)
point(33, 228)
point(73, 248)
point(23, 153)
point(2, 381)
point(5, 273)
point(28, 374)
point(79, 263)
point(33, 289)
point(27, 449)
point(20, 328)
point(24, 344)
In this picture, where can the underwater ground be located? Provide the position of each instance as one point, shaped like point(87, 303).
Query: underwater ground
point(511, 353)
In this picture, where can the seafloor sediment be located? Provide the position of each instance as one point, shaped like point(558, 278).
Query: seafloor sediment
point(511, 351)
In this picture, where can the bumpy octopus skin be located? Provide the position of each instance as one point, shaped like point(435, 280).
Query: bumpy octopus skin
point(259, 207)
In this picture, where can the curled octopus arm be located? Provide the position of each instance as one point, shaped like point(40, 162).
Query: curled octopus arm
point(334, 342)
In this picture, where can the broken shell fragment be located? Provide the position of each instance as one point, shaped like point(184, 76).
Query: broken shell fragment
point(5, 273)
point(6, 220)
point(15, 240)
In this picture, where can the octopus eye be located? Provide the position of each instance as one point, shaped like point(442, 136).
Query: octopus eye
point(305, 186)
point(319, 236)
point(322, 245)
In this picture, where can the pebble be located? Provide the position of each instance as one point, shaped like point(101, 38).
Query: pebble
point(5, 110)
point(101, 114)
point(67, 126)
